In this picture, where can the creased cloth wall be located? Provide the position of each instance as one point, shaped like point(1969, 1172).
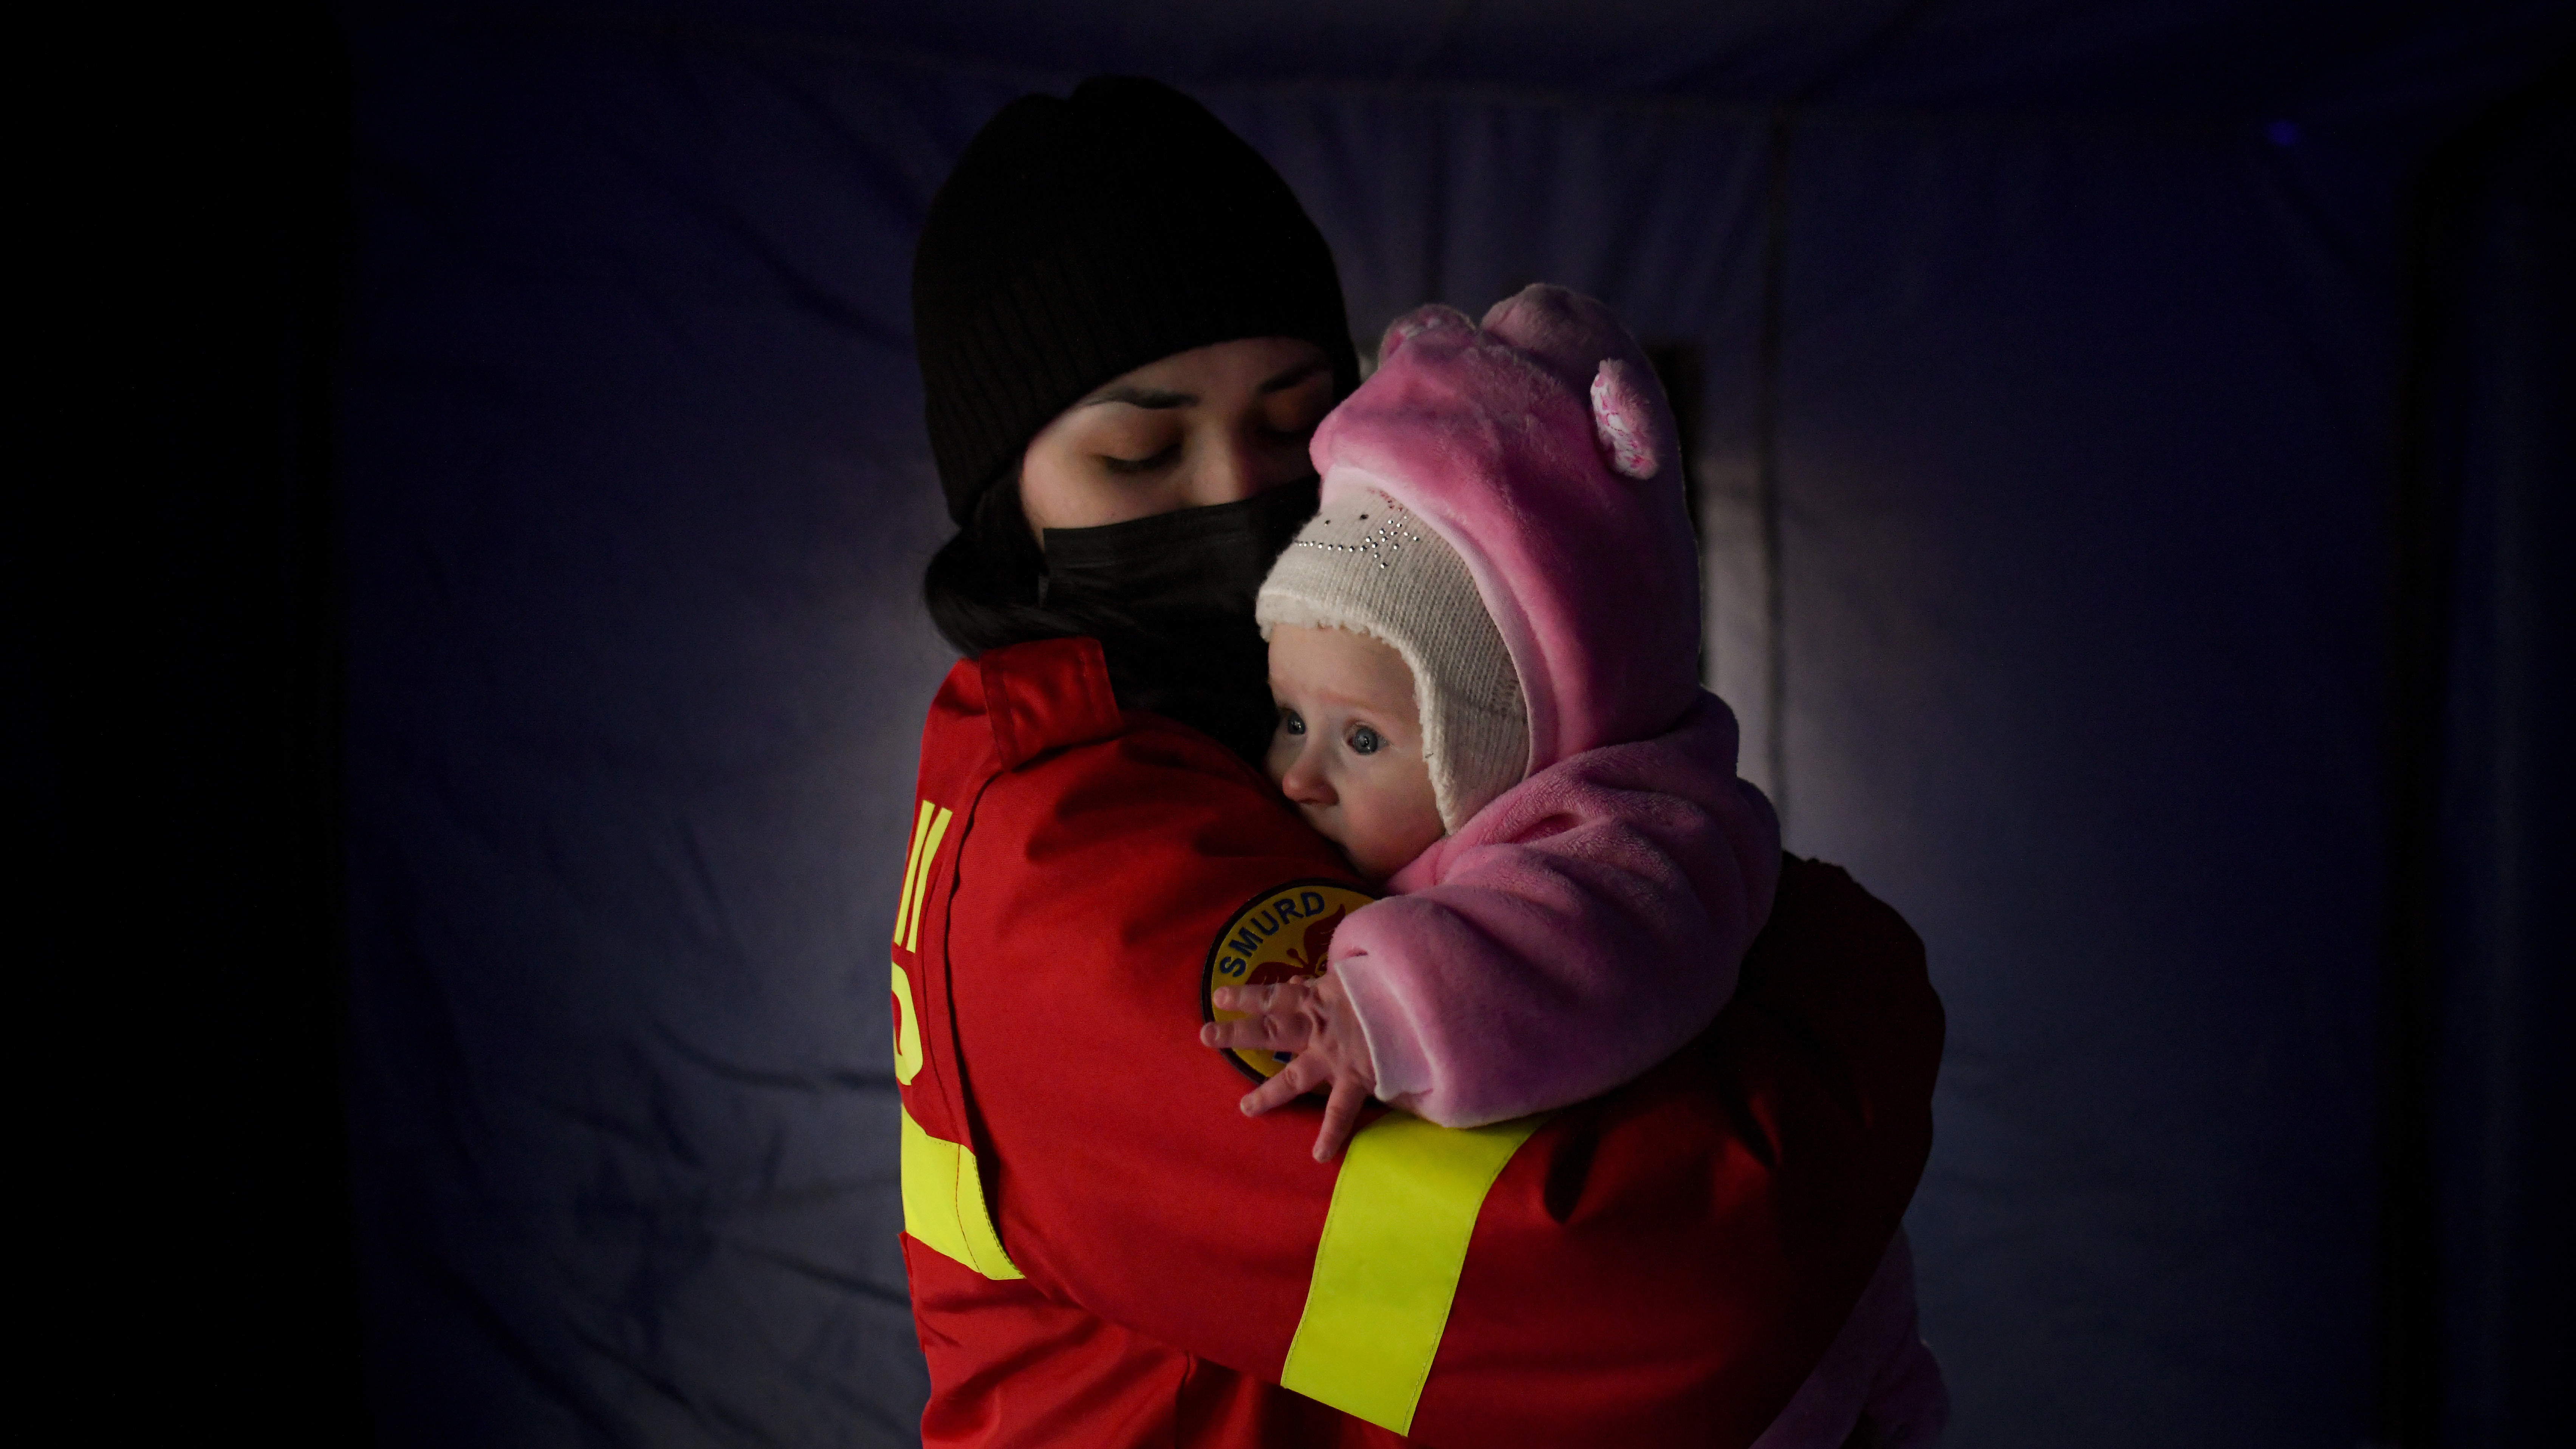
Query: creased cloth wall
point(2080, 565)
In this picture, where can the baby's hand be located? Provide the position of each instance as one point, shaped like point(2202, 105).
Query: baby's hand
point(1312, 1019)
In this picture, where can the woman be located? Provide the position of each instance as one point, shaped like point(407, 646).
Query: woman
point(1127, 327)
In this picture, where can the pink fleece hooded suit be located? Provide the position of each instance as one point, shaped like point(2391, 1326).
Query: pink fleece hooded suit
point(1576, 927)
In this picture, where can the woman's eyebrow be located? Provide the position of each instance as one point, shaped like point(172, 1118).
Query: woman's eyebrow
point(1142, 397)
point(1293, 376)
point(1159, 397)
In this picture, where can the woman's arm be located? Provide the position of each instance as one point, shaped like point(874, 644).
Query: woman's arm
point(1663, 1264)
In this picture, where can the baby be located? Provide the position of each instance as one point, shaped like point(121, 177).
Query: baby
point(1484, 650)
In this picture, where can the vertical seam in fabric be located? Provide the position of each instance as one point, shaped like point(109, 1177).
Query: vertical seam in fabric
point(1766, 372)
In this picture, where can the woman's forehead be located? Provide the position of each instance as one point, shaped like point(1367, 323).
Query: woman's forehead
point(1245, 367)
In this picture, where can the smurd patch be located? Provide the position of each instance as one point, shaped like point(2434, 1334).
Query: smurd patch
point(1282, 934)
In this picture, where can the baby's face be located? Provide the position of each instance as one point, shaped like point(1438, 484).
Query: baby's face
point(1348, 748)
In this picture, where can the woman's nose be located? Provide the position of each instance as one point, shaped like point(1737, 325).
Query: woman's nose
point(1236, 461)
point(1228, 471)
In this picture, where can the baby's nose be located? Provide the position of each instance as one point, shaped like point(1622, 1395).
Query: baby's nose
point(1305, 784)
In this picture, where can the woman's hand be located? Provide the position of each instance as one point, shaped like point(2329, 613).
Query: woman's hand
point(1312, 1019)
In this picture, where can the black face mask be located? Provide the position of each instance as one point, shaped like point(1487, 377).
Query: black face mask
point(1170, 599)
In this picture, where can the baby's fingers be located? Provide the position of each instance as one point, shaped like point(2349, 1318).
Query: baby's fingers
point(1267, 1033)
point(1285, 998)
point(1248, 1032)
point(1341, 1118)
point(1293, 1081)
point(1254, 999)
point(1278, 1021)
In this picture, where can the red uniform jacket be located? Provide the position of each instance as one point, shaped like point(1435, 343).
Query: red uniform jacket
point(1103, 1250)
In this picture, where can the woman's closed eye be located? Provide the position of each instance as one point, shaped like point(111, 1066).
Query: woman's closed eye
point(1294, 411)
point(1299, 429)
point(1365, 740)
point(1147, 464)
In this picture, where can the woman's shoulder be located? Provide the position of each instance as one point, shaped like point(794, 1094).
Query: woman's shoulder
point(1104, 841)
point(1819, 901)
point(1055, 761)
point(1847, 963)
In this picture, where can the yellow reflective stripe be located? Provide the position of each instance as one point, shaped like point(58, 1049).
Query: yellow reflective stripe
point(943, 1203)
point(921, 885)
point(907, 1030)
point(911, 872)
point(1386, 1269)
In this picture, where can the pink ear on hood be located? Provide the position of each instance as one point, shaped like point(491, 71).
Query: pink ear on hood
point(1620, 419)
point(1414, 323)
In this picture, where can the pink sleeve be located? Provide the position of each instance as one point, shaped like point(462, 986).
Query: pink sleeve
point(1575, 932)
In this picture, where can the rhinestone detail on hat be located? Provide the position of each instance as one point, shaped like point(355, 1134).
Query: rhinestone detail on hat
point(1381, 543)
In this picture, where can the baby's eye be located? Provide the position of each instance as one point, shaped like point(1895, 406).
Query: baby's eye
point(1365, 740)
point(1291, 723)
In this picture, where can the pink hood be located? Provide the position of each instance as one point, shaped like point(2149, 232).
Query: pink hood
point(1540, 447)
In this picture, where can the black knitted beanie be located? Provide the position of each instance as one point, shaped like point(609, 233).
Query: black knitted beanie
point(1081, 238)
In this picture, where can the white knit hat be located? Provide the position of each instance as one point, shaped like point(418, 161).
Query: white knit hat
point(1367, 565)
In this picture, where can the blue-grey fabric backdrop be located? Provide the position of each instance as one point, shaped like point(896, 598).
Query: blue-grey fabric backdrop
point(2044, 479)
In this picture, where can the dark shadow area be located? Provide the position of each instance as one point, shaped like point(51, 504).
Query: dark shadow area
point(195, 1018)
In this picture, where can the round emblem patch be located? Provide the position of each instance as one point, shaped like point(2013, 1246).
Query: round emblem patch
point(1282, 934)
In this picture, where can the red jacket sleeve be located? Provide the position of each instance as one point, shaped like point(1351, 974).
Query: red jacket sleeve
point(1666, 1264)
point(1663, 1265)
